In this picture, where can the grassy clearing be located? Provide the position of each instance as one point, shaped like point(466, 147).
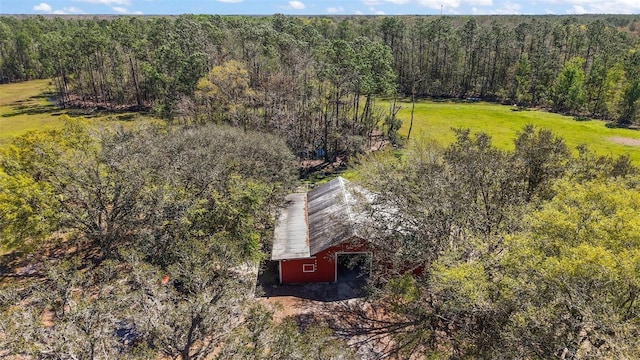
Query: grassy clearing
point(434, 120)
point(26, 106)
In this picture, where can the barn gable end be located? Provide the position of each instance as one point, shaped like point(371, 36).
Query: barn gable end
point(316, 226)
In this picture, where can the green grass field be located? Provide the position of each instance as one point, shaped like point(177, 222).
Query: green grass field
point(26, 106)
point(434, 120)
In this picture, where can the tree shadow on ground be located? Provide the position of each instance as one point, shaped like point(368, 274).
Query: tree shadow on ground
point(31, 109)
point(35, 105)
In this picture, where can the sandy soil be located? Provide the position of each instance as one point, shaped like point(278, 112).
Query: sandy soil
point(333, 314)
point(332, 304)
point(625, 141)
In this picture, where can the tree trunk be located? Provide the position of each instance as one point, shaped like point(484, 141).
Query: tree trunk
point(135, 82)
point(413, 107)
point(185, 354)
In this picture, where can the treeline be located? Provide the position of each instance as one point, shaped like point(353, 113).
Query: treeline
point(314, 79)
point(578, 65)
point(275, 74)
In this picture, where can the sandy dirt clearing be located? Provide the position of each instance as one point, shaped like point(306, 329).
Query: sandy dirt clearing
point(625, 141)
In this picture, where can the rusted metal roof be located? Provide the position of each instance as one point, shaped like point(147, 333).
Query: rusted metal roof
point(330, 216)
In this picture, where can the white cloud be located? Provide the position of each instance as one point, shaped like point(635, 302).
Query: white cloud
point(73, 10)
point(107, 2)
point(335, 10)
point(615, 7)
point(297, 5)
point(43, 7)
point(440, 4)
point(358, 12)
point(577, 9)
point(479, 2)
point(508, 8)
point(137, 13)
point(48, 9)
point(447, 4)
point(120, 10)
point(380, 12)
point(231, 1)
point(599, 6)
point(437, 4)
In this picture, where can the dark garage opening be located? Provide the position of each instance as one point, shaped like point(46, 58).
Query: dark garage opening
point(353, 266)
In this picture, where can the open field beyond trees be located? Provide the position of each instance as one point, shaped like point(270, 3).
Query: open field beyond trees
point(434, 120)
point(28, 106)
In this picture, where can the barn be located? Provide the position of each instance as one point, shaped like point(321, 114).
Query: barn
point(316, 238)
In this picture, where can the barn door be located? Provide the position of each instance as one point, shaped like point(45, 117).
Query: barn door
point(353, 266)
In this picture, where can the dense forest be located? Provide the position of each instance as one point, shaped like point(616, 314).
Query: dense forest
point(314, 80)
point(143, 241)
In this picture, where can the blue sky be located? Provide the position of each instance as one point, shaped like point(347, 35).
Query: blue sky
point(319, 7)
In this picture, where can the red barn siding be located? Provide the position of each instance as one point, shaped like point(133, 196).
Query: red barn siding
point(323, 265)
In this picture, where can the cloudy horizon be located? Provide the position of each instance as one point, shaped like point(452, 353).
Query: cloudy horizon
point(321, 7)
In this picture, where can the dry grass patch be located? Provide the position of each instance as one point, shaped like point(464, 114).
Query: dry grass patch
point(625, 141)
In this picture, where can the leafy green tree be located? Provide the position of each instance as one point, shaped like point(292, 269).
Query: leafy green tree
point(588, 166)
point(28, 211)
point(31, 210)
point(544, 64)
point(523, 84)
point(375, 77)
point(482, 175)
point(541, 157)
point(572, 276)
point(631, 95)
point(604, 87)
point(440, 198)
point(72, 313)
point(192, 205)
point(568, 88)
point(121, 186)
point(467, 242)
point(225, 92)
point(337, 70)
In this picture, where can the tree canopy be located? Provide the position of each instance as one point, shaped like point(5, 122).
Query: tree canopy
point(492, 254)
point(161, 227)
